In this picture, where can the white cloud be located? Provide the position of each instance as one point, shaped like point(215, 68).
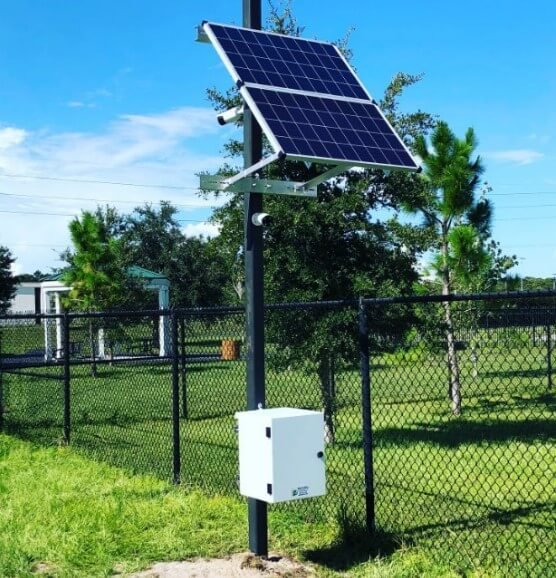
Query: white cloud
point(515, 156)
point(152, 149)
point(80, 104)
point(11, 137)
point(205, 229)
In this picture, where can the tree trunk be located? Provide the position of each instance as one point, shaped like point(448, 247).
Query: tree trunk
point(325, 372)
point(454, 389)
point(92, 346)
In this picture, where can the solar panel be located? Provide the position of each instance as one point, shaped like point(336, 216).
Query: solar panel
point(284, 61)
point(324, 129)
point(308, 100)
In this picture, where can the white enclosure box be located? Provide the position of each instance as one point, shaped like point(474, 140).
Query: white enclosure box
point(281, 454)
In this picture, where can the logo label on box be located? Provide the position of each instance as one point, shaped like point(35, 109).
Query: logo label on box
point(301, 491)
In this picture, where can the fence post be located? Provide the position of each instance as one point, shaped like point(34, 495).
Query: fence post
point(365, 369)
point(67, 377)
point(183, 370)
point(175, 398)
point(1, 387)
point(549, 356)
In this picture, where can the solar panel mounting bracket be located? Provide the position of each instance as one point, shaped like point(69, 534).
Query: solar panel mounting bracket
point(256, 185)
point(249, 171)
point(249, 181)
point(202, 36)
point(330, 173)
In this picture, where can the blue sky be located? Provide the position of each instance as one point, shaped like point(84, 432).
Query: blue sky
point(115, 91)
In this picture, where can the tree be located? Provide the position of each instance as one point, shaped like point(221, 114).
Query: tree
point(96, 273)
point(460, 221)
point(7, 280)
point(30, 277)
point(329, 248)
point(151, 237)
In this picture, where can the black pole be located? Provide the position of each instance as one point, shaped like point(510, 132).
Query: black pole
point(549, 356)
point(175, 399)
point(183, 370)
point(365, 368)
point(254, 292)
point(1, 388)
point(67, 376)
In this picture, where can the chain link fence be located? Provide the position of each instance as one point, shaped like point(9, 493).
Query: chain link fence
point(439, 414)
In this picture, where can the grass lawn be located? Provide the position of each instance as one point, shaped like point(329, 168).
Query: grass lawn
point(466, 494)
point(62, 514)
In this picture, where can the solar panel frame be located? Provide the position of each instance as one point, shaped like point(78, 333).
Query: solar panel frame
point(278, 72)
point(262, 114)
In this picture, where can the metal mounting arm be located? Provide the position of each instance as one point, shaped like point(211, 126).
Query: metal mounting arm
point(330, 173)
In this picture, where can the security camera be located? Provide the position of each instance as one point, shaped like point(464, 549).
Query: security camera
point(261, 219)
point(232, 115)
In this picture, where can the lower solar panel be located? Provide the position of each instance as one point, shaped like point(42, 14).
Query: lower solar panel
point(327, 129)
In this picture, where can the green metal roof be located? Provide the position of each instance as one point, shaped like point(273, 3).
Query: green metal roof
point(134, 271)
point(142, 273)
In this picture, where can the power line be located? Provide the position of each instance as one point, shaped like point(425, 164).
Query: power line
point(195, 205)
point(74, 215)
point(526, 206)
point(527, 218)
point(97, 182)
point(521, 193)
point(92, 199)
point(38, 213)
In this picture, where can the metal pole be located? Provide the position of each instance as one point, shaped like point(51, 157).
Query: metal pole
point(1, 388)
point(67, 376)
point(365, 368)
point(549, 356)
point(183, 370)
point(175, 399)
point(254, 292)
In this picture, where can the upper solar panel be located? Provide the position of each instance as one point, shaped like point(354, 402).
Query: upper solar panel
point(276, 60)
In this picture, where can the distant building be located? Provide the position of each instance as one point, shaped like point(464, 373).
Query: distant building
point(45, 297)
point(27, 298)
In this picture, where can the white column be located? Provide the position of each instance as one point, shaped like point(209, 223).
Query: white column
point(46, 323)
point(59, 336)
point(164, 321)
point(101, 353)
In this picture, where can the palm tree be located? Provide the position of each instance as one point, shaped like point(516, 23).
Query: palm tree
point(95, 274)
point(460, 221)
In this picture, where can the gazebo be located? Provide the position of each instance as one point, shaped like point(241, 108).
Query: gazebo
point(52, 288)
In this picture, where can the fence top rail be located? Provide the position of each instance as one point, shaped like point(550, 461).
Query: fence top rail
point(337, 304)
point(508, 295)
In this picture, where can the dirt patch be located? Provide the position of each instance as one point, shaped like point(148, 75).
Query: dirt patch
point(237, 566)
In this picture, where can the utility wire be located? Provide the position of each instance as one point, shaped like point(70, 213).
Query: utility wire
point(47, 213)
point(184, 188)
point(195, 205)
point(62, 198)
point(74, 215)
point(97, 182)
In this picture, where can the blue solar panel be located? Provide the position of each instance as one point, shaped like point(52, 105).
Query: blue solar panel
point(286, 62)
point(328, 129)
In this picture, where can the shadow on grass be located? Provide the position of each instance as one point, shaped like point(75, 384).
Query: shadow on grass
point(517, 373)
point(541, 402)
point(355, 545)
point(464, 432)
point(497, 517)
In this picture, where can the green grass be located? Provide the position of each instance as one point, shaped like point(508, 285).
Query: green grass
point(452, 494)
point(62, 514)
